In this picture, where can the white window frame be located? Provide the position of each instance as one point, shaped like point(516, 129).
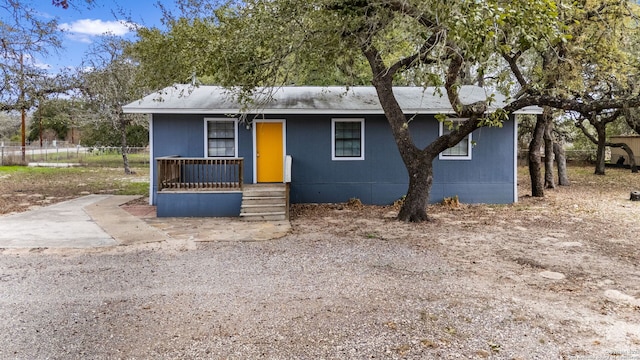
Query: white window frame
point(469, 140)
point(206, 135)
point(333, 139)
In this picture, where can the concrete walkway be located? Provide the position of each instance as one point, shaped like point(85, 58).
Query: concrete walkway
point(65, 225)
point(100, 221)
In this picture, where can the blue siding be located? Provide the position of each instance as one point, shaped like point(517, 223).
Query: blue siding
point(181, 135)
point(317, 179)
point(198, 204)
point(380, 178)
point(488, 177)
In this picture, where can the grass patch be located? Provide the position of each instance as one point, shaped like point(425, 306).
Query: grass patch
point(36, 174)
point(21, 186)
point(134, 188)
point(115, 160)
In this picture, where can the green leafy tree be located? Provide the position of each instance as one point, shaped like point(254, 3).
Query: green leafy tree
point(110, 84)
point(591, 71)
point(632, 117)
point(104, 134)
point(59, 115)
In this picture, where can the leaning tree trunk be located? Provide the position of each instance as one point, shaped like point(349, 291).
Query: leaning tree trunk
point(419, 164)
point(632, 158)
point(123, 146)
point(535, 162)
point(629, 151)
point(561, 161)
point(549, 179)
point(414, 207)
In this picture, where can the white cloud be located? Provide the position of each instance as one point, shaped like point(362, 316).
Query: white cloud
point(42, 65)
point(84, 30)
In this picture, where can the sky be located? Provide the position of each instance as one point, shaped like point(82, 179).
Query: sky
point(83, 25)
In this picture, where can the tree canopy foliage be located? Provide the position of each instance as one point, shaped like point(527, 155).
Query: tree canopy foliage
point(56, 115)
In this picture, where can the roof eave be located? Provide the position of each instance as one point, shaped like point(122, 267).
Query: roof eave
point(298, 111)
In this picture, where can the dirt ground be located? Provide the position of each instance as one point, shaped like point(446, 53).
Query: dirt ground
point(557, 277)
point(29, 188)
point(573, 256)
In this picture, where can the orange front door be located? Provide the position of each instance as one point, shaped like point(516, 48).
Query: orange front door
point(269, 152)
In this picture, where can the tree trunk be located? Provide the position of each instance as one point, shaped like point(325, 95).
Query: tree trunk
point(414, 207)
point(549, 179)
point(600, 152)
point(632, 159)
point(123, 141)
point(629, 151)
point(420, 170)
point(599, 122)
point(561, 161)
point(535, 163)
point(418, 162)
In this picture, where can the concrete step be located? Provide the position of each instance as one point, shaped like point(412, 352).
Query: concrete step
point(264, 193)
point(260, 209)
point(271, 216)
point(267, 200)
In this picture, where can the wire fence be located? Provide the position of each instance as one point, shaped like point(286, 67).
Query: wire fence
point(94, 156)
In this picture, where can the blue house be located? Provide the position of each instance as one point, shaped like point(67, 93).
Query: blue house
point(323, 144)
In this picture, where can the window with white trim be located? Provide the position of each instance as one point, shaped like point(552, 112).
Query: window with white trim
point(460, 151)
point(221, 138)
point(347, 139)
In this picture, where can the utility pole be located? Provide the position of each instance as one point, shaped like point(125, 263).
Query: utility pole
point(40, 130)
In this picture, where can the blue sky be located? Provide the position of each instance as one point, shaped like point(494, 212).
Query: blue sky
point(82, 26)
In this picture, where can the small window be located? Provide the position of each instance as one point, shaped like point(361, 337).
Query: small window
point(221, 138)
point(347, 137)
point(460, 151)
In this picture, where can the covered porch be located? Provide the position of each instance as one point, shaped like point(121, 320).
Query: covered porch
point(214, 187)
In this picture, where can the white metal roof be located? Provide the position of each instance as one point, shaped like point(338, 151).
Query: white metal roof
point(187, 99)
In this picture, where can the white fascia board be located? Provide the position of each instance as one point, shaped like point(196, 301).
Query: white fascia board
point(277, 111)
point(298, 111)
point(529, 111)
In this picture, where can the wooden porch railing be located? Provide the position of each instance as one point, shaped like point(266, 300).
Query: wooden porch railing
point(178, 173)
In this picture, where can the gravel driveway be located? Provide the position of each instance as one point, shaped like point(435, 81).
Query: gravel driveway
point(289, 298)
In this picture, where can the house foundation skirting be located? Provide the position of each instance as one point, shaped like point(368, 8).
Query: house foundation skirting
point(198, 203)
